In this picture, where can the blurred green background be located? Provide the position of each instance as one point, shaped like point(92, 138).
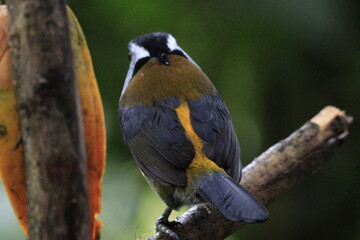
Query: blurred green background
point(275, 63)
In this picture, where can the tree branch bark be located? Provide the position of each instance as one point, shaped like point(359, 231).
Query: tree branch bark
point(273, 173)
point(51, 123)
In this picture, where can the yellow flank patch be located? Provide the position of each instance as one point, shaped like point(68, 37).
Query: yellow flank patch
point(200, 163)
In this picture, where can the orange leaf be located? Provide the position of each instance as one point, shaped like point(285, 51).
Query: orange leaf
point(12, 170)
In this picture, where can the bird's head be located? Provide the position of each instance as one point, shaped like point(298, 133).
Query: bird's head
point(152, 46)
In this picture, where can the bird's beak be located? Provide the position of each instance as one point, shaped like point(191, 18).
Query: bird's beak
point(163, 58)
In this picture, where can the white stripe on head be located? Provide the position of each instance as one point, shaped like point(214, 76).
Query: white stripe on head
point(137, 52)
point(172, 45)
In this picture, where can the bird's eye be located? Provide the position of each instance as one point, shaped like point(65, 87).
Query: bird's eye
point(141, 62)
point(178, 52)
point(129, 56)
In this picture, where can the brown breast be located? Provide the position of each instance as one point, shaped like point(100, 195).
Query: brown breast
point(155, 81)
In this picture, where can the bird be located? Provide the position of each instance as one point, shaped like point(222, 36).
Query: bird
point(180, 133)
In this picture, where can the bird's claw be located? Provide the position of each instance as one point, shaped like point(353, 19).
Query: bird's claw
point(163, 225)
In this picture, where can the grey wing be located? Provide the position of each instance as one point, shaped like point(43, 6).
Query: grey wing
point(158, 142)
point(211, 120)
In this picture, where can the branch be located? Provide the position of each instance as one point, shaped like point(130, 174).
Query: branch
point(51, 123)
point(273, 173)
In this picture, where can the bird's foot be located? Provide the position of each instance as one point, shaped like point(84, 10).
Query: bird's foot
point(163, 225)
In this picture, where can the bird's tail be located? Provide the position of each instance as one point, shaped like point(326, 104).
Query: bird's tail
point(233, 201)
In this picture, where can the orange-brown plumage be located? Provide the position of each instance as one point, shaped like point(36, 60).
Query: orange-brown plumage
point(155, 81)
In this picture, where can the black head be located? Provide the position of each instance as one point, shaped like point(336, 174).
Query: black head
point(154, 45)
